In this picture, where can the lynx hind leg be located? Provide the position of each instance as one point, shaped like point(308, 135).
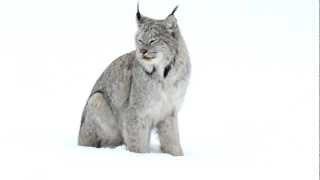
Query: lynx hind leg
point(99, 127)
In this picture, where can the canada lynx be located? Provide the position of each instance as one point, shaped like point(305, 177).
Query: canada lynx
point(140, 91)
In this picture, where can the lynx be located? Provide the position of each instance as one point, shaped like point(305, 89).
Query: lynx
point(140, 91)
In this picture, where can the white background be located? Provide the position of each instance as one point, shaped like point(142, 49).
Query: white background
point(251, 111)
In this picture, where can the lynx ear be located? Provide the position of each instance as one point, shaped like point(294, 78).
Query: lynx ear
point(138, 15)
point(140, 18)
point(171, 22)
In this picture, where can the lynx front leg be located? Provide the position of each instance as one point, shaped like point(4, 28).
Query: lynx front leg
point(137, 134)
point(169, 136)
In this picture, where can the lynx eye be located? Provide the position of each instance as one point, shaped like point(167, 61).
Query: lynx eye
point(152, 41)
point(140, 41)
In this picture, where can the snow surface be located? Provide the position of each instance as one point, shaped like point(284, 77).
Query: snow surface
point(251, 111)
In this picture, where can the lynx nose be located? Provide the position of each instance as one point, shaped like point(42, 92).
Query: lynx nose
point(143, 51)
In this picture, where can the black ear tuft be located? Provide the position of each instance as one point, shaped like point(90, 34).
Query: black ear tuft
point(138, 13)
point(174, 10)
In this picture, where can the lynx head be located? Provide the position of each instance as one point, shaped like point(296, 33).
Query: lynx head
point(156, 40)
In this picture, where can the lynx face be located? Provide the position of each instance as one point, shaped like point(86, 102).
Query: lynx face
point(156, 40)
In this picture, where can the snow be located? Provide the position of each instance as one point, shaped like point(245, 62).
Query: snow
point(251, 111)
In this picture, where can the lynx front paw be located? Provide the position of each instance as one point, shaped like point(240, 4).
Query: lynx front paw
point(175, 150)
point(137, 149)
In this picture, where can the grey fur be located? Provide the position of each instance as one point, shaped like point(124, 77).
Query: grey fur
point(139, 91)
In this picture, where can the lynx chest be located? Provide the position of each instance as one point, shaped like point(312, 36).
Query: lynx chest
point(165, 99)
